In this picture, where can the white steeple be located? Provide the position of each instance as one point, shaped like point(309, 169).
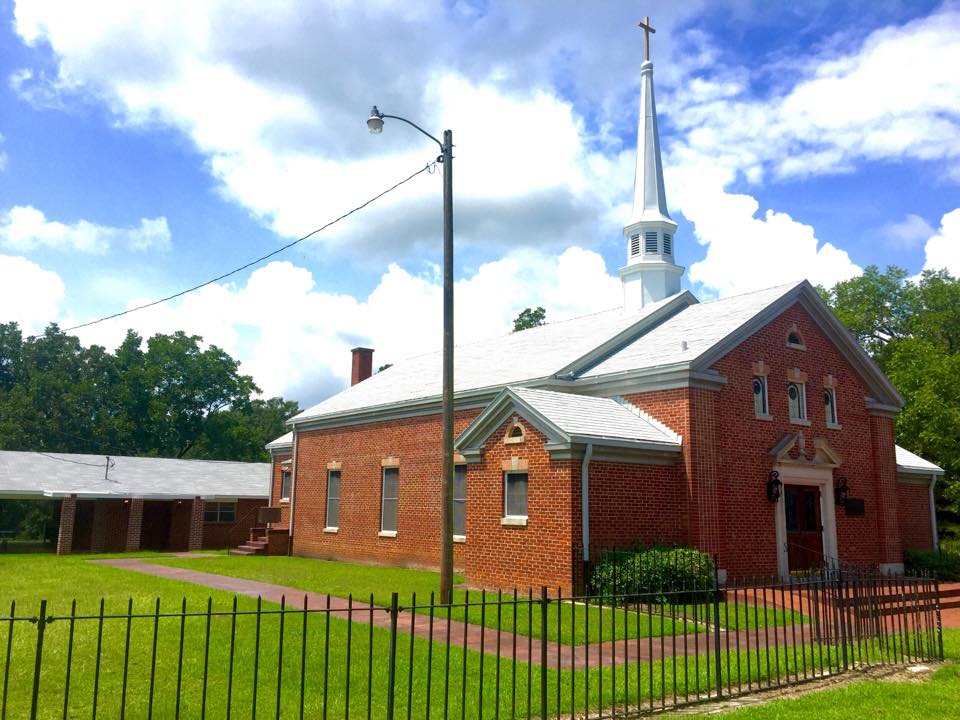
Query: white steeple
point(650, 273)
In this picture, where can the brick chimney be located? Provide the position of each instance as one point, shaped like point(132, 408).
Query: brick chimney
point(362, 366)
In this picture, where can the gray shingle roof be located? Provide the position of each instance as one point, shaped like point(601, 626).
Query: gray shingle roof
point(59, 474)
point(700, 326)
point(492, 363)
point(909, 463)
point(284, 441)
point(584, 416)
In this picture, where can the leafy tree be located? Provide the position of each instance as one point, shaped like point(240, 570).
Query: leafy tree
point(173, 398)
point(912, 330)
point(529, 318)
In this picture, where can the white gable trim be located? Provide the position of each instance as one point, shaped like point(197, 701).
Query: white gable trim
point(884, 393)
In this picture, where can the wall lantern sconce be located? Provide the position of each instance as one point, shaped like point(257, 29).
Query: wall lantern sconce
point(840, 492)
point(774, 486)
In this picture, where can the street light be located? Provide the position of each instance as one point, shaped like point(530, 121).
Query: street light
point(375, 125)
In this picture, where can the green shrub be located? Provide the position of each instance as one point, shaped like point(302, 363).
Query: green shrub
point(671, 574)
point(945, 565)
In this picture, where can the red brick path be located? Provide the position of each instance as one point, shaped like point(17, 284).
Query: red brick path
point(475, 636)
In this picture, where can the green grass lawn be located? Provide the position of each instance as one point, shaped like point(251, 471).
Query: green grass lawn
point(340, 579)
point(338, 655)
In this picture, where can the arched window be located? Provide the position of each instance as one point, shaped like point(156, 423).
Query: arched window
point(515, 434)
point(797, 401)
point(830, 405)
point(761, 404)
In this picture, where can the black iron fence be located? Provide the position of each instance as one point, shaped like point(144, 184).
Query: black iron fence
point(487, 655)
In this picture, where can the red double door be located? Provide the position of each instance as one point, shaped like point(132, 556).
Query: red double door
point(804, 527)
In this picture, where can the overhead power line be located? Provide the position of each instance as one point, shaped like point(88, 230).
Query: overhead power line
point(426, 168)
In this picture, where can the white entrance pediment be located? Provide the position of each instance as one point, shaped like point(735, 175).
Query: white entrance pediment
point(792, 450)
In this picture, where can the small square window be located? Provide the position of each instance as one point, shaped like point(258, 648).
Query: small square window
point(830, 405)
point(515, 494)
point(219, 512)
point(761, 403)
point(797, 400)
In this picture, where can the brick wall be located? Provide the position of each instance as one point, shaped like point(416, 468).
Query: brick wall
point(68, 510)
point(416, 443)
point(542, 552)
point(226, 535)
point(635, 505)
point(180, 525)
point(276, 482)
point(913, 515)
point(744, 443)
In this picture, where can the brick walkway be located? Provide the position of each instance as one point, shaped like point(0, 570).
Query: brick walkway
point(475, 637)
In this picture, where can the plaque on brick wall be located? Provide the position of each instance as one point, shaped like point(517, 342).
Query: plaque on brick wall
point(854, 507)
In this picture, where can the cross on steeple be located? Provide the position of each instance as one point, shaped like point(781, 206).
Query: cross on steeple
point(647, 29)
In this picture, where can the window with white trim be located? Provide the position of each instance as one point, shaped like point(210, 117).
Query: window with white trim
point(761, 402)
point(515, 494)
point(830, 405)
point(333, 498)
point(388, 499)
point(460, 501)
point(797, 400)
point(219, 512)
point(285, 484)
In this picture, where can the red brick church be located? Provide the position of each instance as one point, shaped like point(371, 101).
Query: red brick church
point(752, 427)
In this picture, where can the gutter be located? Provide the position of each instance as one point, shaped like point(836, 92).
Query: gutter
point(293, 492)
point(585, 501)
point(933, 514)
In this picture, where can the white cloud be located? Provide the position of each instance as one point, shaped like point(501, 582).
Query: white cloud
point(29, 294)
point(895, 95)
point(295, 338)
point(907, 233)
point(24, 228)
point(943, 249)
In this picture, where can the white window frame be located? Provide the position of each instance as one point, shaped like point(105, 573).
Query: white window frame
point(801, 405)
point(835, 420)
point(765, 411)
point(389, 532)
point(286, 478)
point(506, 481)
point(460, 467)
point(217, 508)
point(326, 516)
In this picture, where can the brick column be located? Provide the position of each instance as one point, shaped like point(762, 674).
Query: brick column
point(68, 513)
point(134, 524)
point(885, 477)
point(195, 541)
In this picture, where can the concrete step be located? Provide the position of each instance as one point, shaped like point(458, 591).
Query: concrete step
point(239, 551)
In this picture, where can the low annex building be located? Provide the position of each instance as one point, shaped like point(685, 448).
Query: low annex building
point(752, 427)
point(116, 504)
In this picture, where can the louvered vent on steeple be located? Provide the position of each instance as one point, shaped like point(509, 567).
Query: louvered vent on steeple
point(667, 244)
point(650, 242)
point(635, 244)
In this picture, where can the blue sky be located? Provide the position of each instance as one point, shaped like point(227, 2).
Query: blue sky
point(148, 147)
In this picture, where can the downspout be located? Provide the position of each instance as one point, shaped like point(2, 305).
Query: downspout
point(933, 514)
point(585, 501)
point(293, 493)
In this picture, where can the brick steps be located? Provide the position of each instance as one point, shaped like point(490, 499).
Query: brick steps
point(250, 547)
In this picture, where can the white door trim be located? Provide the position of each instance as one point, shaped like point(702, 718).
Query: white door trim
point(807, 475)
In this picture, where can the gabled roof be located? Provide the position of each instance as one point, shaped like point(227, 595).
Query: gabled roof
point(911, 464)
point(34, 474)
point(677, 336)
point(283, 442)
point(570, 420)
point(703, 333)
point(491, 364)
